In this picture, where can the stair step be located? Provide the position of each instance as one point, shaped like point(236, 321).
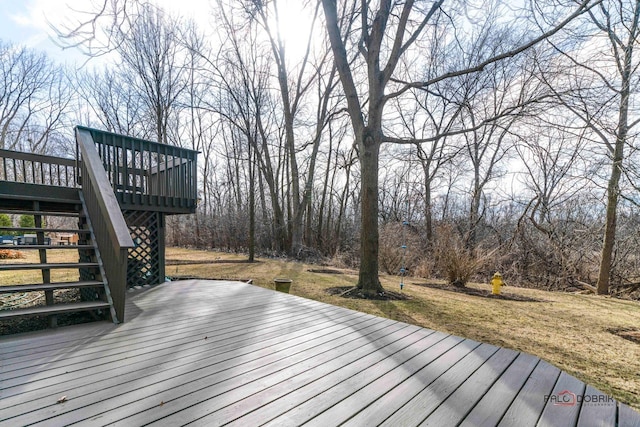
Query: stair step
point(6, 267)
point(42, 213)
point(45, 230)
point(21, 247)
point(50, 286)
point(54, 309)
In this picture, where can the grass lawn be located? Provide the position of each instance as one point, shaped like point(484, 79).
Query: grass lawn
point(571, 331)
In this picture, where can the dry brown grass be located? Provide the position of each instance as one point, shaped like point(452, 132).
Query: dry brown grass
point(570, 331)
point(34, 276)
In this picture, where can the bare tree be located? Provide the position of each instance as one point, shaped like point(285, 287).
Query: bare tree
point(296, 80)
point(605, 85)
point(150, 49)
point(35, 97)
point(553, 238)
point(108, 96)
point(387, 33)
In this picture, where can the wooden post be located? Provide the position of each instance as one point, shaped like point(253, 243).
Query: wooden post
point(161, 247)
point(46, 273)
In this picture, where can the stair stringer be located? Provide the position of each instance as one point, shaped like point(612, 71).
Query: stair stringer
point(105, 280)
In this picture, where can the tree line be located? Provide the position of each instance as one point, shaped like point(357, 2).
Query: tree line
point(483, 135)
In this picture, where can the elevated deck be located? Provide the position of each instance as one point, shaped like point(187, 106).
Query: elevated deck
point(118, 186)
point(212, 353)
point(147, 175)
point(143, 175)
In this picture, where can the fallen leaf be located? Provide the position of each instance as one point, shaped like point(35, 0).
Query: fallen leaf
point(62, 399)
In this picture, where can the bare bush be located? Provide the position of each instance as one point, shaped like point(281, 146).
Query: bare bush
point(425, 268)
point(346, 258)
point(453, 260)
point(11, 254)
point(393, 257)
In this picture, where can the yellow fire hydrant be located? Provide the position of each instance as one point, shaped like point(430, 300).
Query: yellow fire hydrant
point(496, 283)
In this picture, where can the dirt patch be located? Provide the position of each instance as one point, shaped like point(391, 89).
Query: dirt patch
point(355, 293)
point(478, 292)
point(628, 334)
point(325, 271)
point(214, 261)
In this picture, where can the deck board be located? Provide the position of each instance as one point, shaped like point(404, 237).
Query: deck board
point(139, 352)
point(184, 368)
point(398, 396)
point(331, 389)
point(210, 399)
point(627, 417)
point(526, 408)
point(456, 407)
point(429, 398)
point(342, 409)
point(173, 334)
point(597, 410)
point(158, 370)
point(200, 384)
point(215, 352)
point(563, 412)
point(490, 409)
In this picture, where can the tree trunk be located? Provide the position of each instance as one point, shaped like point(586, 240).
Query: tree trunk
point(428, 212)
point(252, 205)
point(323, 198)
point(368, 280)
point(613, 187)
point(613, 191)
point(342, 207)
point(609, 232)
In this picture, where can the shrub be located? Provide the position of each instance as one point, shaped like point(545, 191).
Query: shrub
point(346, 258)
point(425, 267)
point(11, 254)
point(392, 237)
point(453, 260)
point(5, 220)
point(27, 221)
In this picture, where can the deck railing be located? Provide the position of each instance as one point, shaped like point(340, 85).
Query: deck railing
point(32, 168)
point(110, 229)
point(147, 173)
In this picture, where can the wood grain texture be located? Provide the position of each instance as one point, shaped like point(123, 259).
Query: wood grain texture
point(627, 417)
point(218, 352)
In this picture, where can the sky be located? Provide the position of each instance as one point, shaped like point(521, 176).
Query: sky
point(27, 22)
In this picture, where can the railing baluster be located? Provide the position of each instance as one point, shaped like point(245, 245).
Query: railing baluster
point(166, 174)
point(32, 168)
point(147, 172)
point(124, 165)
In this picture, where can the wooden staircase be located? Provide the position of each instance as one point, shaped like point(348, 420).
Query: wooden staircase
point(84, 278)
point(111, 176)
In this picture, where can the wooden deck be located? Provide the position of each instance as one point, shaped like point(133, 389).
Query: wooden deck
point(212, 353)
